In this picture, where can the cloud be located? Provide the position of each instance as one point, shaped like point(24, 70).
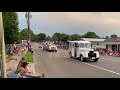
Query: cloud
point(103, 23)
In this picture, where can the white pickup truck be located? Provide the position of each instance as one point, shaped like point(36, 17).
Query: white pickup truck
point(52, 47)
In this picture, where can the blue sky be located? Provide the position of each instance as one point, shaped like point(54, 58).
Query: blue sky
point(102, 23)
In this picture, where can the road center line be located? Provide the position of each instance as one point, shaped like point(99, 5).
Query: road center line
point(99, 67)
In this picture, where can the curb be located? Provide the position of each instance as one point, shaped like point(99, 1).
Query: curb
point(33, 58)
point(34, 64)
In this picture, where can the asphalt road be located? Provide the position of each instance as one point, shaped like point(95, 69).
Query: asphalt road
point(59, 65)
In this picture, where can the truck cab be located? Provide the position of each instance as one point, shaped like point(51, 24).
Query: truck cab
point(82, 50)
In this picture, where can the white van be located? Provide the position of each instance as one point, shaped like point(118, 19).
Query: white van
point(82, 50)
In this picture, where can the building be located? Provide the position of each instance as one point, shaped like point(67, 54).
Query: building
point(96, 43)
point(112, 44)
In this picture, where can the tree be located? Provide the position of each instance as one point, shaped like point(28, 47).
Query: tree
point(56, 36)
point(35, 38)
point(75, 37)
point(11, 30)
point(24, 35)
point(60, 37)
point(64, 37)
point(106, 37)
point(113, 36)
point(19, 39)
point(90, 35)
point(32, 35)
point(41, 37)
point(48, 38)
point(67, 37)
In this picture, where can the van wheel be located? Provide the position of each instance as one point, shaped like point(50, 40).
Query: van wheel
point(70, 55)
point(95, 60)
point(82, 59)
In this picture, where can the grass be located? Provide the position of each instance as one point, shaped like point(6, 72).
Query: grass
point(8, 56)
point(29, 57)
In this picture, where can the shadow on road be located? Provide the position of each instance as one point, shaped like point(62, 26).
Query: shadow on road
point(77, 60)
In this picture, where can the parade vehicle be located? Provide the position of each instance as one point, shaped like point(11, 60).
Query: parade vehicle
point(52, 47)
point(82, 50)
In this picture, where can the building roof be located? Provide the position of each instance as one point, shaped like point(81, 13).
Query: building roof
point(80, 41)
point(93, 39)
point(112, 41)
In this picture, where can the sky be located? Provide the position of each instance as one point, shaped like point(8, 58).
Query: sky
point(102, 23)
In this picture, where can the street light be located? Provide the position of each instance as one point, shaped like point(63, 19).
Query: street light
point(3, 70)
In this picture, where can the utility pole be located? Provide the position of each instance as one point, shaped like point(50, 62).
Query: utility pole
point(28, 16)
point(3, 70)
point(29, 26)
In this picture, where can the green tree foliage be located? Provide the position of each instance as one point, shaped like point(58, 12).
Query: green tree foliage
point(48, 38)
point(67, 37)
point(113, 36)
point(24, 35)
point(56, 37)
point(75, 37)
point(11, 31)
point(64, 37)
point(90, 35)
point(61, 37)
point(41, 37)
point(19, 39)
point(106, 37)
point(35, 38)
point(32, 35)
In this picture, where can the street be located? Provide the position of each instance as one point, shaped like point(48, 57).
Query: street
point(59, 65)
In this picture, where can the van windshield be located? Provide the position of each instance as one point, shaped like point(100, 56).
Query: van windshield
point(85, 45)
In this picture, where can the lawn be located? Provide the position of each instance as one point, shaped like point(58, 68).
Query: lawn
point(29, 57)
point(8, 56)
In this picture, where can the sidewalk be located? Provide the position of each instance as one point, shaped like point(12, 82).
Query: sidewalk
point(14, 63)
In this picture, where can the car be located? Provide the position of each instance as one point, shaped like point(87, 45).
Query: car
point(52, 47)
point(82, 50)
